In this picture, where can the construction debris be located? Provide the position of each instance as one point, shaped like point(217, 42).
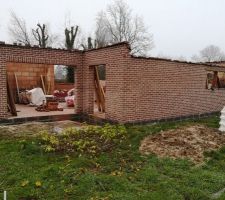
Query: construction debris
point(187, 142)
point(70, 98)
point(49, 106)
point(37, 96)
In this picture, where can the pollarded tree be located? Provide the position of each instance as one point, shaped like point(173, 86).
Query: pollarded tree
point(20, 33)
point(70, 36)
point(41, 35)
point(89, 44)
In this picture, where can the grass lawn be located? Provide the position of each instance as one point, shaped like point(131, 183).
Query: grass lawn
point(26, 172)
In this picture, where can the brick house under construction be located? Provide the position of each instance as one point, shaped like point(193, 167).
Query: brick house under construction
point(138, 89)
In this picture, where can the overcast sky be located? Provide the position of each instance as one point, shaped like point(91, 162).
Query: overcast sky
point(180, 27)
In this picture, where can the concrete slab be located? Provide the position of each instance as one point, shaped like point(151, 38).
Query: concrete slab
point(27, 111)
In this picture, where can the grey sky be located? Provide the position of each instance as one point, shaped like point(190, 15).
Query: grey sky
point(180, 27)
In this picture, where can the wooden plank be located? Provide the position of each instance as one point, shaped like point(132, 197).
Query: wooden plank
point(49, 87)
point(11, 103)
point(17, 88)
point(43, 84)
point(97, 98)
point(99, 91)
point(103, 92)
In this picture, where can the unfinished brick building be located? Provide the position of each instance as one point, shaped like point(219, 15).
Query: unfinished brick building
point(137, 89)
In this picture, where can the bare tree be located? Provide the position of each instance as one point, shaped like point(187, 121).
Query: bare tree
point(89, 43)
point(70, 36)
point(118, 24)
point(18, 30)
point(102, 34)
point(27, 36)
point(67, 40)
point(178, 58)
point(210, 53)
point(41, 35)
point(196, 58)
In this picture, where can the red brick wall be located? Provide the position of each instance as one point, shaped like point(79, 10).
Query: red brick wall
point(137, 89)
point(17, 54)
point(3, 87)
point(157, 89)
point(29, 76)
point(115, 61)
point(140, 89)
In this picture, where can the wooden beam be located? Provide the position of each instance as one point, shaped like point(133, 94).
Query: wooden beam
point(100, 94)
point(17, 88)
point(43, 84)
point(10, 99)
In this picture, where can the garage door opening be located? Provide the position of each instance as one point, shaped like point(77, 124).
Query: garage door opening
point(40, 89)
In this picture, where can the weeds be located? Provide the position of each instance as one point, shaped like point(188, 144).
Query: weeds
point(90, 140)
point(119, 172)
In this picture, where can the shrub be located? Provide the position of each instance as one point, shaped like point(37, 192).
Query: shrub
point(88, 140)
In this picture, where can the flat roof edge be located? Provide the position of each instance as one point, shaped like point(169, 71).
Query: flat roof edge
point(175, 61)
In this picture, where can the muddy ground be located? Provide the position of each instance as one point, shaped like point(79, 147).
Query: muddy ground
point(187, 142)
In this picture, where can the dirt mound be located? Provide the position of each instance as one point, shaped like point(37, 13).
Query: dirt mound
point(187, 142)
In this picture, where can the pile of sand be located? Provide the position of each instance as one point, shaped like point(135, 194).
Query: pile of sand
point(187, 142)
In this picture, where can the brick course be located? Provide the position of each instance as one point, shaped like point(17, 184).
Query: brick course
point(20, 54)
point(29, 75)
point(161, 89)
point(137, 89)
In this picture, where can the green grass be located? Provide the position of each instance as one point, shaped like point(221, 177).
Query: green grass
point(121, 174)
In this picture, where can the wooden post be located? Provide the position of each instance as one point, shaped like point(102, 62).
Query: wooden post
point(100, 94)
point(11, 103)
point(17, 87)
point(43, 84)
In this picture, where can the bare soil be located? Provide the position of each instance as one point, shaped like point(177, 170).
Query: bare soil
point(187, 142)
point(33, 128)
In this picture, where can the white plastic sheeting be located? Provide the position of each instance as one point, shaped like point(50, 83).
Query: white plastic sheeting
point(222, 120)
point(37, 96)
